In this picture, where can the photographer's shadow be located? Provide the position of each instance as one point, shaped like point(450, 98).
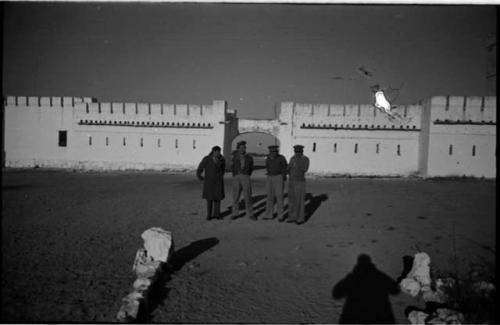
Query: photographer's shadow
point(366, 291)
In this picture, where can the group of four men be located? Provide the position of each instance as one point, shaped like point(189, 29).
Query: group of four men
point(213, 167)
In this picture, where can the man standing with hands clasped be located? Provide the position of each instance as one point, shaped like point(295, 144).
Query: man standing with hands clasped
point(242, 167)
point(297, 168)
point(276, 168)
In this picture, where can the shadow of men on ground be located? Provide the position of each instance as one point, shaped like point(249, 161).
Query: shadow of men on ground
point(261, 207)
point(241, 205)
point(159, 291)
point(313, 203)
point(367, 291)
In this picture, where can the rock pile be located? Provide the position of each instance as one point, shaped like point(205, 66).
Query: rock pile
point(148, 265)
point(418, 281)
point(439, 316)
point(419, 278)
point(441, 293)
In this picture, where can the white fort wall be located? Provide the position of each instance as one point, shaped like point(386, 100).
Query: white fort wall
point(356, 139)
point(443, 136)
point(360, 140)
point(110, 135)
point(462, 136)
point(31, 129)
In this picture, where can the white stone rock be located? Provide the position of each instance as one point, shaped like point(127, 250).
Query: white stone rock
point(446, 316)
point(434, 296)
point(417, 317)
point(158, 243)
point(148, 270)
point(410, 286)
point(130, 307)
point(142, 284)
point(425, 288)
point(141, 257)
point(123, 315)
point(144, 265)
point(158, 247)
point(420, 270)
point(133, 296)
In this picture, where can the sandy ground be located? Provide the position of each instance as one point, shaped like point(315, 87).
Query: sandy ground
point(69, 241)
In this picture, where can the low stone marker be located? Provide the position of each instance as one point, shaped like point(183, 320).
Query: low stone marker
point(419, 278)
point(410, 286)
point(157, 243)
point(418, 281)
point(148, 265)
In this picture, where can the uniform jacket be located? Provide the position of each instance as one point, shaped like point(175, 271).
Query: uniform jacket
point(276, 166)
point(247, 169)
point(298, 167)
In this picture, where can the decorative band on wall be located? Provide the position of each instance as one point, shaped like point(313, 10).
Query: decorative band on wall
point(148, 124)
point(469, 122)
point(360, 127)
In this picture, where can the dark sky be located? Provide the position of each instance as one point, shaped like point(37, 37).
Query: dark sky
point(252, 55)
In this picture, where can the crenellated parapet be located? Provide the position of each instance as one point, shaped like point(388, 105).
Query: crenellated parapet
point(45, 101)
point(150, 115)
point(356, 117)
point(88, 112)
point(460, 136)
point(463, 110)
point(180, 111)
point(461, 114)
point(89, 108)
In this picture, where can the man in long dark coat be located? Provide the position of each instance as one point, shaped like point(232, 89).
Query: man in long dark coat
point(214, 167)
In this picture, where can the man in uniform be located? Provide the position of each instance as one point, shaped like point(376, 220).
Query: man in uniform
point(297, 168)
point(276, 167)
point(242, 167)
